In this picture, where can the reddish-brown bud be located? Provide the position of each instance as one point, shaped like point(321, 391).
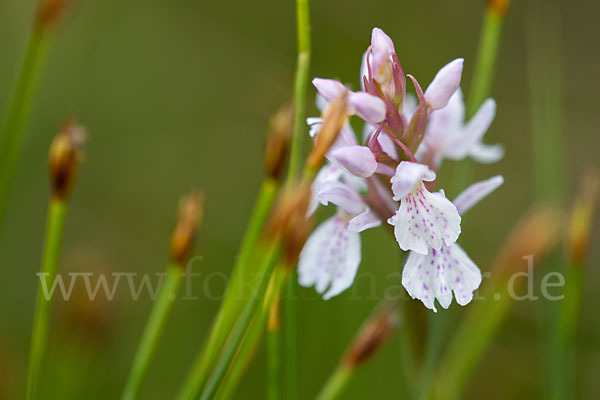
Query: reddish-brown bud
point(66, 154)
point(334, 119)
point(278, 140)
point(289, 221)
point(49, 12)
point(191, 212)
point(580, 222)
point(377, 330)
point(498, 7)
point(535, 234)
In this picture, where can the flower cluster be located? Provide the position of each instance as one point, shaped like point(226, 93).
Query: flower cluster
point(389, 177)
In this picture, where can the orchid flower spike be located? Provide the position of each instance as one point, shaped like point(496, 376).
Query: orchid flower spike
point(449, 269)
point(331, 255)
point(448, 136)
point(424, 221)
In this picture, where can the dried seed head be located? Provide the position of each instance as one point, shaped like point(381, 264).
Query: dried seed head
point(49, 12)
point(289, 221)
point(535, 234)
point(278, 140)
point(372, 336)
point(334, 119)
point(191, 211)
point(498, 7)
point(580, 223)
point(65, 156)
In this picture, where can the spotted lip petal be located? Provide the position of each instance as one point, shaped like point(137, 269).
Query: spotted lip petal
point(425, 221)
point(330, 258)
point(438, 274)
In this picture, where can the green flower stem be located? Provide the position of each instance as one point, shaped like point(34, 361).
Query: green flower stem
point(487, 52)
point(544, 61)
point(152, 332)
point(300, 86)
point(268, 261)
point(433, 347)
point(236, 296)
point(252, 337)
point(336, 383)
point(53, 240)
point(291, 340)
point(13, 130)
point(568, 315)
point(274, 351)
point(470, 341)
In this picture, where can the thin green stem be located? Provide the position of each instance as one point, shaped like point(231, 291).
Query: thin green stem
point(237, 294)
point(433, 347)
point(483, 75)
point(237, 335)
point(336, 384)
point(252, 337)
point(274, 352)
point(487, 53)
point(300, 87)
point(568, 315)
point(53, 240)
point(153, 330)
point(291, 340)
point(13, 130)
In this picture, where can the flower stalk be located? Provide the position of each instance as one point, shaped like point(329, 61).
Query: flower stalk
point(243, 271)
point(64, 158)
point(578, 239)
point(534, 235)
point(190, 216)
point(48, 16)
point(300, 87)
point(483, 75)
point(375, 333)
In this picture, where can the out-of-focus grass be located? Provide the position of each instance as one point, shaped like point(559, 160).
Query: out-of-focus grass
point(177, 94)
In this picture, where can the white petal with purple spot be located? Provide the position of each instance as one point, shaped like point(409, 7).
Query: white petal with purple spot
point(438, 274)
point(330, 258)
point(425, 221)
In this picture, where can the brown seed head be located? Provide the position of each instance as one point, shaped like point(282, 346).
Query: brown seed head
point(66, 154)
point(289, 221)
point(535, 234)
point(334, 119)
point(498, 7)
point(191, 212)
point(278, 140)
point(580, 222)
point(372, 336)
point(49, 12)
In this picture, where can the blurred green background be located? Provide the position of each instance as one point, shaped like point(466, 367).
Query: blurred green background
point(177, 94)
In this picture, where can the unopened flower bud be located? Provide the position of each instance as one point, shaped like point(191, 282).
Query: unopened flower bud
point(49, 12)
point(498, 7)
point(334, 119)
point(377, 330)
point(534, 235)
point(191, 211)
point(580, 223)
point(65, 155)
point(278, 140)
point(289, 221)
